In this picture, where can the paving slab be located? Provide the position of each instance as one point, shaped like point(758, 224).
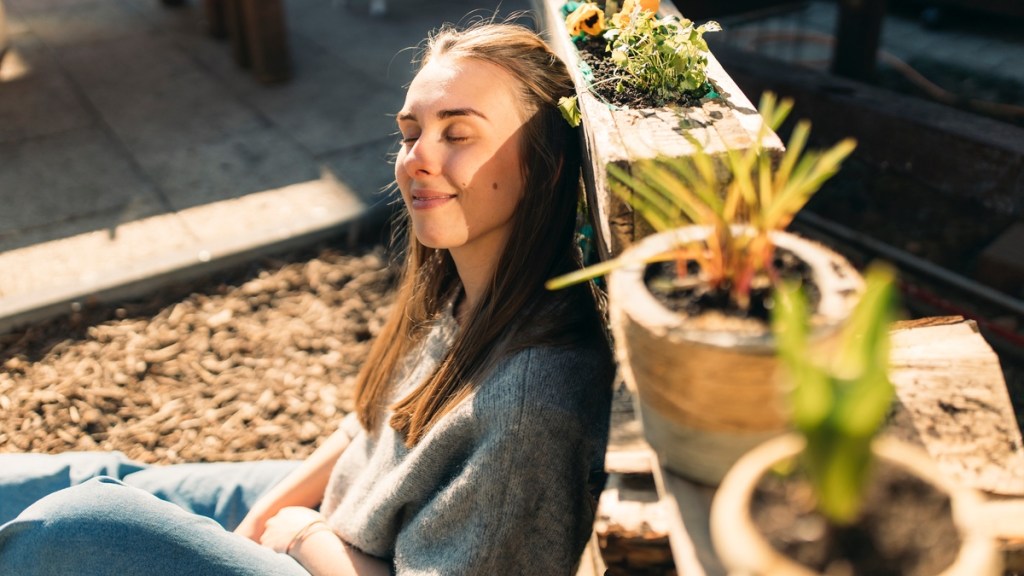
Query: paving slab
point(78, 22)
point(235, 165)
point(37, 97)
point(153, 97)
point(327, 106)
point(368, 170)
point(57, 179)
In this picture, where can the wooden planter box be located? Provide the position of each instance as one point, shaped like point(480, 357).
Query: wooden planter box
point(620, 136)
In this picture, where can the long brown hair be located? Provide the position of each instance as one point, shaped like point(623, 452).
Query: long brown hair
point(540, 246)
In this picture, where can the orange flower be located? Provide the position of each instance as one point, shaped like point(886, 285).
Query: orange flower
point(621, 19)
point(587, 18)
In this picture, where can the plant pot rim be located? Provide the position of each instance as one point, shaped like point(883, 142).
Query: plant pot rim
point(840, 286)
point(743, 549)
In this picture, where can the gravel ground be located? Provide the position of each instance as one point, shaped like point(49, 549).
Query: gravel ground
point(256, 363)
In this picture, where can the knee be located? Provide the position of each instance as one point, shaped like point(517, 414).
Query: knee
point(106, 509)
point(57, 532)
point(95, 500)
point(99, 526)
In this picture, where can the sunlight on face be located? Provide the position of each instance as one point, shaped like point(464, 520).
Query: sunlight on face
point(460, 167)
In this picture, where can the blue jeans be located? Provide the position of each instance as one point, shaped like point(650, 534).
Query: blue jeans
point(95, 513)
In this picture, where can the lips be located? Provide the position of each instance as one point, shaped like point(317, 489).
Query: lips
point(425, 199)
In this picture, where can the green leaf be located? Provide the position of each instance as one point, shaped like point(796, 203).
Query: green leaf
point(841, 403)
point(582, 275)
point(570, 110)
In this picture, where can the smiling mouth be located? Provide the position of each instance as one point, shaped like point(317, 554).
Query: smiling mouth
point(423, 200)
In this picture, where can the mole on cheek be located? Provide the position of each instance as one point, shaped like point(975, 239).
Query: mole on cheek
point(494, 186)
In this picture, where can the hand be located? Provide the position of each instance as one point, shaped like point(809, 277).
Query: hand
point(282, 528)
point(253, 524)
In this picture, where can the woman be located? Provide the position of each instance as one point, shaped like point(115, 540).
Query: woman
point(482, 411)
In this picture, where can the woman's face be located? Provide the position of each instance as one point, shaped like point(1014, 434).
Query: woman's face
point(459, 168)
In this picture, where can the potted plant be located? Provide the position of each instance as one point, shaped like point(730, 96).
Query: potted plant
point(688, 305)
point(833, 497)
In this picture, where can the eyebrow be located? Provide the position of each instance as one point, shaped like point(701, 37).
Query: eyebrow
point(444, 114)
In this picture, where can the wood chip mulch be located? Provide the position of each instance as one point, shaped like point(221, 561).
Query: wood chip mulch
point(257, 364)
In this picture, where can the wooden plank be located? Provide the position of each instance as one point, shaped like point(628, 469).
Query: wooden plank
point(591, 563)
point(632, 525)
point(953, 402)
point(627, 449)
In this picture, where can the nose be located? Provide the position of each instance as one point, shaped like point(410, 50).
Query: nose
point(422, 157)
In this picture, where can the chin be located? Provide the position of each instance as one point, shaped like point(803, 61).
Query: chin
point(439, 238)
point(437, 242)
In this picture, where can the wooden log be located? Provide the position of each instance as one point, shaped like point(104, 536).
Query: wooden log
point(619, 136)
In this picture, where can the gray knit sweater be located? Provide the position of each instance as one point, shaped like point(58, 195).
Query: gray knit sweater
point(499, 485)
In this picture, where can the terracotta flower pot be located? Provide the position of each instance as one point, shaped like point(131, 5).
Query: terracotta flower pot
point(744, 550)
point(708, 390)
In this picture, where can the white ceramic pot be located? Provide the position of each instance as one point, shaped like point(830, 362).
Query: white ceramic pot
point(709, 394)
point(743, 550)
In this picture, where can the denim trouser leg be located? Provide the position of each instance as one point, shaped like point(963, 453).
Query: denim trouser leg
point(223, 491)
point(25, 478)
point(94, 513)
point(103, 527)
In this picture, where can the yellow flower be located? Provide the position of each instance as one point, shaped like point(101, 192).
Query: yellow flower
point(586, 18)
point(621, 19)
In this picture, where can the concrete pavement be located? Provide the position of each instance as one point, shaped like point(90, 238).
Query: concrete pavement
point(133, 150)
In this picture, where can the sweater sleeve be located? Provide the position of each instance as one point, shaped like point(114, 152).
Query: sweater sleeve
point(519, 502)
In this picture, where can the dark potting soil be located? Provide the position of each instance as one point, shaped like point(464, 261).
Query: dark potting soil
point(905, 529)
point(686, 295)
point(593, 51)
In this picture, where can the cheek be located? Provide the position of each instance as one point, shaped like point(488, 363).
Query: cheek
point(401, 175)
